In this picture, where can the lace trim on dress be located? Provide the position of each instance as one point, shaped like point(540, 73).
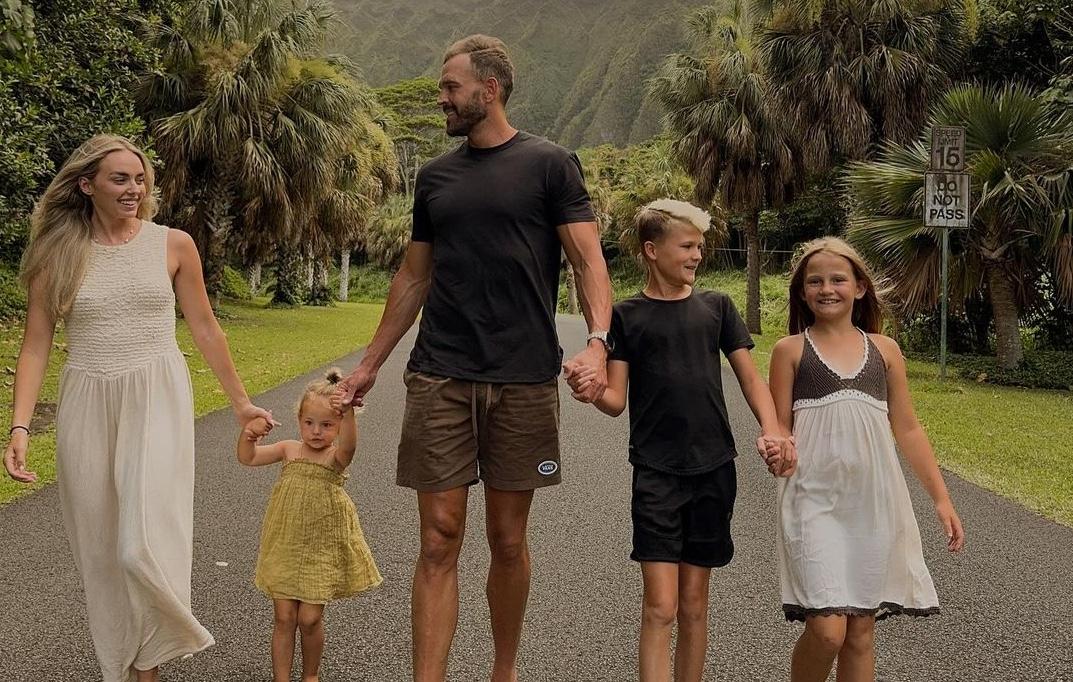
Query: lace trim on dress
point(845, 377)
point(884, 610)
point(837, 396)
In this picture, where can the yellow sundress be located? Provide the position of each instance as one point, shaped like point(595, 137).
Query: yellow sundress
point(312, 546)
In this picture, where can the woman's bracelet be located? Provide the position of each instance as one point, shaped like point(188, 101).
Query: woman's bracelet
point(18, 426)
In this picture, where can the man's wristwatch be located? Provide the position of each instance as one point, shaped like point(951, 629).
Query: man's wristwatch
point(600, 336)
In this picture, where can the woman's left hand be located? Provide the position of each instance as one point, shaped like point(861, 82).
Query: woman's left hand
point(955, 534)
point(246, 412)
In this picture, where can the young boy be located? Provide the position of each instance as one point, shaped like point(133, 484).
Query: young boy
point(665, 348)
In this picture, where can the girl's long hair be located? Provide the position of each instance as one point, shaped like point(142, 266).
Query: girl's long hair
point(60, 227)
point(867, 311)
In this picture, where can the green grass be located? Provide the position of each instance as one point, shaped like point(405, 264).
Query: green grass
point(269, 346)
point(1013, 441)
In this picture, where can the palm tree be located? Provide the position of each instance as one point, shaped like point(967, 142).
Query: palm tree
point(731, 139)
point(253, 127)
point(364, 177)
point(850, 73)
point(388, 233)
point(1019, 150)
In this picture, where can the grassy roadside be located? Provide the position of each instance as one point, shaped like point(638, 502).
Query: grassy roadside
point(269, 346)
point(1006, 439)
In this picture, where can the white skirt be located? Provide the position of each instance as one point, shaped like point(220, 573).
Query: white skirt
point(125, 467)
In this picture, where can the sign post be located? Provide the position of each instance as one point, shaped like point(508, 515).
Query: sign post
point(947, 191)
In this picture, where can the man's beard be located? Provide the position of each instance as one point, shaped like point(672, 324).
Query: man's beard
point(471, 113)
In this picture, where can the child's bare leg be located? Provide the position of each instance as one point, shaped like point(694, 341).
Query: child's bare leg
point(311, 623)
point(148, 675)
point(817, 648)
point(658, 613)
point(692, 622)
point(857, 659)
point(286, 620)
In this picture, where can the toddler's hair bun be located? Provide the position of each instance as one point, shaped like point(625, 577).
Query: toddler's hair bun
point(334, 375)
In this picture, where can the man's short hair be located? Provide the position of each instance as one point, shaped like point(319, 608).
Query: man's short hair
point(489, 58)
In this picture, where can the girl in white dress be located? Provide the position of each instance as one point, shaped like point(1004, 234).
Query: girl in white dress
point(848, 544)
point(125, 419)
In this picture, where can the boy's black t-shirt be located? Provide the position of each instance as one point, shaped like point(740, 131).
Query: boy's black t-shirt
point(491, 217)
point(678, 416)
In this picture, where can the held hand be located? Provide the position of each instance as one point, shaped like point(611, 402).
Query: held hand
point(15, 458)
point(256, 429)
point(779, 454)
point(578, 377)
point(247, 412)
point(594, 357)
point(787, 470)
point(789, 457)
point(352, 390)
point(770, 451)
point(955, 534)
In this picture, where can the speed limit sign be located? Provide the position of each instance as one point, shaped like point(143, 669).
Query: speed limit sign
point(947, 149)
point(947, 192)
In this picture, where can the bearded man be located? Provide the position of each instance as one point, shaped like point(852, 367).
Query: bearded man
point(490, 220)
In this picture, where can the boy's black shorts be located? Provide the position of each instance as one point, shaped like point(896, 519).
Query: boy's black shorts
point(684, 519)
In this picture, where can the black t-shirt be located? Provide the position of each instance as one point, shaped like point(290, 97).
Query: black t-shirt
point(678, 416)
point(491, 217)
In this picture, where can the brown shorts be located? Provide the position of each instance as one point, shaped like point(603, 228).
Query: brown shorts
point(456, 432)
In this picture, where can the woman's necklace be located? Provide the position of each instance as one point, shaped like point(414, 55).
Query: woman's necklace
point(130, 235)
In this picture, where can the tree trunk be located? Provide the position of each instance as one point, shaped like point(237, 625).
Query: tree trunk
point(344, 275)
point(752, 269)
point(1008, 345)
point(895, 326)
point(288, 290)
point(212, 249)
point(571, 290)
point(309, 263)
point(253, 275)
point(319, 293)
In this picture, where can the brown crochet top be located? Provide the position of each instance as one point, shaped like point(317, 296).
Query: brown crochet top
point(816, 383)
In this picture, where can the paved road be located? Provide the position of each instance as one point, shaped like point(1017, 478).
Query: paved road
point(1007, 600)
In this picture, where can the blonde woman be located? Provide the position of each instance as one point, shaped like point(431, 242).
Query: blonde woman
point(125, 423)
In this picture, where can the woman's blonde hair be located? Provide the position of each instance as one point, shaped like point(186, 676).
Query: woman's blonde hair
point(867, 311)
point(60, 227)
point(321, 388)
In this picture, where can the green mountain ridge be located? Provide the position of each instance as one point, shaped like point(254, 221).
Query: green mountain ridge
point(581, 66)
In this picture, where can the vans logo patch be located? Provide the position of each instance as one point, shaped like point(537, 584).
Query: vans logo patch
point(548, 467)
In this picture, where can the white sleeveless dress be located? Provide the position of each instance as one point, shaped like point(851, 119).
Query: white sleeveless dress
point(848, 541)
point(125, 458)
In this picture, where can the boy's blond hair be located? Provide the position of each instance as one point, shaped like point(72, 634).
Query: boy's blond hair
point(654, 219)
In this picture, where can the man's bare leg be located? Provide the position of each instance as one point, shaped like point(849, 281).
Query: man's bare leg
point(507, 518)
point(434, 600)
